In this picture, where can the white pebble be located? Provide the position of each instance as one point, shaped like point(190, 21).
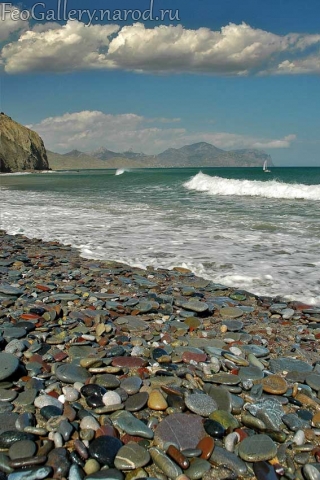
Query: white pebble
point(61, 398)
point(299, 437)
point(71, 394)
point(235, 351)
point(89, 423)
point(231, 441)
point(58, 440)
point(44, 400)
point(111, 398)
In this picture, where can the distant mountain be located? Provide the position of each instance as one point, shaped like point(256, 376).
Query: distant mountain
point(200, 154)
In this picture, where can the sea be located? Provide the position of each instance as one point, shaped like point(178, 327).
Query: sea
point(237, 226)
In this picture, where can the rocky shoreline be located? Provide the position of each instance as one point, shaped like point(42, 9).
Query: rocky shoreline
point(113, 372)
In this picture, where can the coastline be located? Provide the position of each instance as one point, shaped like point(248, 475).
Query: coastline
point(154, 346)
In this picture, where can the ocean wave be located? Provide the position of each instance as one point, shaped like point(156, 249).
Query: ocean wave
point(121, 171)
point(253, 188)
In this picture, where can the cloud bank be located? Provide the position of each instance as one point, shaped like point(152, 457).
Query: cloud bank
point(88, 130)
point(233, 50)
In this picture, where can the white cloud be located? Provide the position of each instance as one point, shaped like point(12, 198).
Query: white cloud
point(58, 48)
point(88, 130)
point(233, 50)
point(8, 24)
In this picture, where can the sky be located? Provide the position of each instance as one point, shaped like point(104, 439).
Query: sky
point(237, 74)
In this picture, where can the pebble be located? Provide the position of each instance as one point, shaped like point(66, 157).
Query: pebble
point(110, 371)
point(257, 448)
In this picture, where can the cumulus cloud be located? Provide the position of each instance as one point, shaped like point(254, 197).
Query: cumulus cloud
point(233, 50)
point(88, 130)
point(57, 48)
point(8, 24)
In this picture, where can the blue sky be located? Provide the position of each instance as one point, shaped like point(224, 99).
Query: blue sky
point(236, 74)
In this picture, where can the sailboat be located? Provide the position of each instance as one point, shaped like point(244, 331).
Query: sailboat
point(265, 167)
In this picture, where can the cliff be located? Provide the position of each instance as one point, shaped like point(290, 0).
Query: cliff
point(20, 148)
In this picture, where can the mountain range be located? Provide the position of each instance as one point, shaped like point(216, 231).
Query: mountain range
point(200, 154)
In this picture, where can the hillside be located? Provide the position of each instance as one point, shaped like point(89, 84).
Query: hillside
point(196, 155)
point(20, 148)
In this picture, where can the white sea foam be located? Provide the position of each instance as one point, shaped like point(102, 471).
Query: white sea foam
point(14, 174)
point(252, 188)
point(121, 171)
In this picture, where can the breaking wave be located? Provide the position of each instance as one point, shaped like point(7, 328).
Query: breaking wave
point(253, 188)
point(120, 171)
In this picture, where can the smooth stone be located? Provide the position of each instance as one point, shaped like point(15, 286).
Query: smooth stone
point(201, 404)
point(10, 290)
point(89, 423)
point(91, 466)
point(136, 402)
point(12, 333)
point(131, 456)
point(310, 472)
point(25, 420)
point(58, 460)
point(275, 385)
point(130, 424)
point(111, 398)
point(220, 395)
point(227, 420)
point(180, 429)
point(250, 373)
point(131, 385)
point(175, 454)
point(157, 401)
point(10, 437)
point(22, 449)
point(214, 428)
point(132, 323)
point(7, 395)
point(104, 449)
point(198, 467)
point(110, 473)
point(257, 448)
point(50, 411)
point(110, 381)
point(165, 464)
point(233, 325)
point(130, 362)
point(31, 474)
point(93, 390)
point(26, 398)
point(206, 445)
point(46, 400)
point(69, 373)
point(232, 312)
point(256, 350)
point(313, 381)
point(195, 306)
point(264, 471)
point(8, 421)
point(288, 364)
point(225, 378)
point(8, 365)
point(220, 456)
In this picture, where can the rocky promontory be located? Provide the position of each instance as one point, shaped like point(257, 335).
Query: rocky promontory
point(20, 148)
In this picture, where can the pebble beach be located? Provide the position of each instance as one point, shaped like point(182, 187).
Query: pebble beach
point(114, 372)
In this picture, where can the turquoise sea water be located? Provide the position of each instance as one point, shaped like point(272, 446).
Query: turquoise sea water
point(240, 227)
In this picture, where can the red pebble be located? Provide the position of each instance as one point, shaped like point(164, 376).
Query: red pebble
point(206, 445)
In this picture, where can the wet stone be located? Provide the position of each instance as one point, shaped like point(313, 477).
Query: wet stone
point(250, 373)
point(131, 384)
point(127, 422)
point(288, 364)
point(104, 449)
point(313, 381)
point(257, 448)
point(136, 402)
point(69, 373)
point(182, 430)
point(233, 325)
point(198, 467)
point(8, 365)
point(274, 384)
point(231, 312)
point(131, 456)
point(195, 306)
point(214, 428)
point(163, 462)
point(22, 449)
point(201, 404)
point(220, 456)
